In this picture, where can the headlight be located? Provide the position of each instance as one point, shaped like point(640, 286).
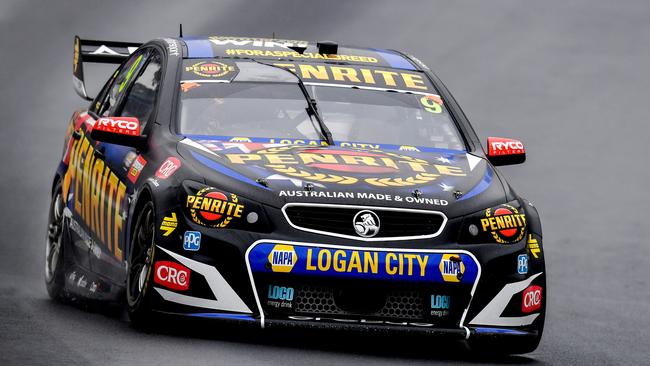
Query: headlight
point(503, 224)
point(215, 208)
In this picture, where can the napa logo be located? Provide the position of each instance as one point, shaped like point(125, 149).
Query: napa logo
point(452, 268)
point(282, 258)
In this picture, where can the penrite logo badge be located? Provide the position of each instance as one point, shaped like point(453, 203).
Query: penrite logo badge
point(338, 165)
point(212, 208)
point(282, 258)
point(366, 223)
point(505, 223)
point(210, 69)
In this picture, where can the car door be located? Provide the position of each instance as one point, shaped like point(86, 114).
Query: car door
point(94, 186)
point(133, 93)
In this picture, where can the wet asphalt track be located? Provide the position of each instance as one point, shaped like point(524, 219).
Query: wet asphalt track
point(569, 78)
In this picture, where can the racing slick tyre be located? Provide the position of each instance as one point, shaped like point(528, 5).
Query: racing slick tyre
point(54, 259)
point(140, 262)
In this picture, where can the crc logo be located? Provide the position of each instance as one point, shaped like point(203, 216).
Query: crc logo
point(282, 258)
point(280, 293)
point(124, 125)
point(531, 299)
point(452, 268)
point(366, 223)
point(172, 275)
point(168, 168)
point(192, 240)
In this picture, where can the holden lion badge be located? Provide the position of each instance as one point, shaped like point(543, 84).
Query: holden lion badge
point(366, 223)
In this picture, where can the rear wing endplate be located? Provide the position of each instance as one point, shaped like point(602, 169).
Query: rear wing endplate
point(105, 52)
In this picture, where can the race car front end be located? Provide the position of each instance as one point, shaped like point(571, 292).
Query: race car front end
point(475, 277)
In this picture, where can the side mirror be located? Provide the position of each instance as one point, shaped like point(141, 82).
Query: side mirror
point(502, 151)
point(118, 130)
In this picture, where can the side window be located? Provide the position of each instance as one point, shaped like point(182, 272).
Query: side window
point(120, 83)
point(97, 104)
point(140, 101)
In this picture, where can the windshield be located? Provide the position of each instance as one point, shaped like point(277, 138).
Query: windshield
point(278, 111)
point(247, 110)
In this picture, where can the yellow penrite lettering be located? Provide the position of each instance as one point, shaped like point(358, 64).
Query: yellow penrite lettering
point(214, 205)
point(98, 195)
point(357, 75)
point(503, 222)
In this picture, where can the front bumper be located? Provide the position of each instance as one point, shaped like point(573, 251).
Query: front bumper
point(250, 287)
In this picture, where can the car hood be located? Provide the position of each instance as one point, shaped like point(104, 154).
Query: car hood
point(451, 181)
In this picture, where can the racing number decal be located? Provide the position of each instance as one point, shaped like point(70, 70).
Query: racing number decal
point(431, 103)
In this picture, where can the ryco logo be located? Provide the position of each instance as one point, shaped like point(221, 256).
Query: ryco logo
point(172, 275)
point(124, 125)
point(366, 223)
point(212, 208)
point(505, 223)
point(452, 268)
point(501, 146)
point(531, 299)
point(283, 258)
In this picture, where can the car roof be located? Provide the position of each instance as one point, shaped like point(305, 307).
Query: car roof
point(296, 51)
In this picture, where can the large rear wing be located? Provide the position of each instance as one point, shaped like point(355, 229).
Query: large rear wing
point(105, 52)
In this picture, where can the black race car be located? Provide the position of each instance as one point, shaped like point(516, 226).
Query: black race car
point(281, 182)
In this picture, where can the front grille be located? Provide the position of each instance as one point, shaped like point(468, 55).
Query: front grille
point(338, 220)
point(318, 300)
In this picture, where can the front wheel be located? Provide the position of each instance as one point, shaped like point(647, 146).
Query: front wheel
point(140, 262)
point(54, 261)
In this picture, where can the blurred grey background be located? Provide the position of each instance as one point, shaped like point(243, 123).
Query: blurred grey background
point(569, 78)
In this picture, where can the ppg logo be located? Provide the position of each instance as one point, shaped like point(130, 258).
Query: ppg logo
point(522, 264)
point(192, 240)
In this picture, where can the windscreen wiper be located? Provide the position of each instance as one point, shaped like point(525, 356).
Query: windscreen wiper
point(311, 103)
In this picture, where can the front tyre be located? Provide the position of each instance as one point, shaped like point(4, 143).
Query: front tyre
point(54, 261)
point(140, 262)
